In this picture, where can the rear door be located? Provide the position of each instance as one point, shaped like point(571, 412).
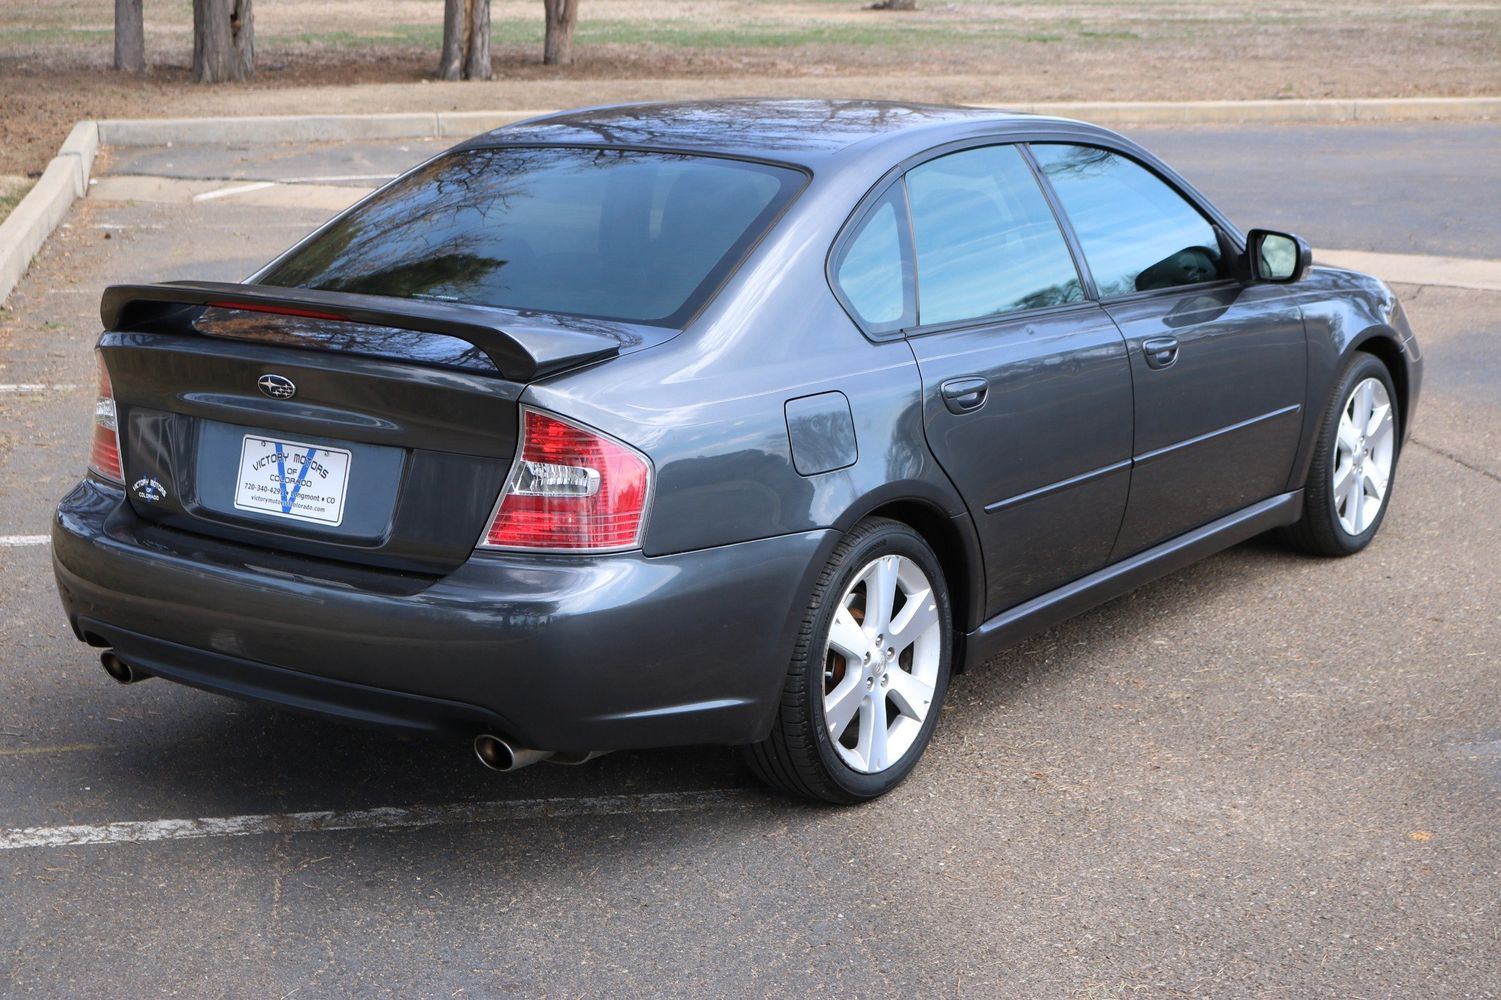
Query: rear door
point(1027, 391)
point(1218, 365)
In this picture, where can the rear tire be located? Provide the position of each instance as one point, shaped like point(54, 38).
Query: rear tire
point(1354, 463)
point(869, 671)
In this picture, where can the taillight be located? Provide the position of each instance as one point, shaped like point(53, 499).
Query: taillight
point(571, 489)
point(104, 454)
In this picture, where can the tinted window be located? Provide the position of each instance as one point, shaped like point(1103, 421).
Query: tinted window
point(986, 241)
point(874, 270)
point(618, 234)
point(1137, 232)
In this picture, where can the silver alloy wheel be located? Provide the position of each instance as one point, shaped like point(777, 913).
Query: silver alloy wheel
point(1363, 452)
point(881, 663)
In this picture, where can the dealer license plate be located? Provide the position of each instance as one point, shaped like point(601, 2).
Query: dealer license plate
point(304, 482)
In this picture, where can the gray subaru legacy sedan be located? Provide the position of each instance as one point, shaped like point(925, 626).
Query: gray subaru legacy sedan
point(738, 422)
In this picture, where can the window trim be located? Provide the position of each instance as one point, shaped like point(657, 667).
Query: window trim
point(1056, 133)
point(989, 319)
point(851, 231)
point(897, 175)
point(1215, 221)
point(1001, 319)
point(1065, 225)
point(678, 321)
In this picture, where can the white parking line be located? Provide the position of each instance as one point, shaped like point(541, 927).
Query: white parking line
point(17, 541)
point(237, 189)
point(34, 388)
point(516, 810)
point(332, 178)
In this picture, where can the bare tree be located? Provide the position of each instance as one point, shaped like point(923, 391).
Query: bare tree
point(466, 40)
point(130, 37)
point(223, 40)
point(557, 45)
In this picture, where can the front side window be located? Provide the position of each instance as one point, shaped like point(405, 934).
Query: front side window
point(617, 234)
point(874, 269)
point(1137, 233)
point(985, 239)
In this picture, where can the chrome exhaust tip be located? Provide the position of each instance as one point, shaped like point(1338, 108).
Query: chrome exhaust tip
point(573, 758)
point(119, 670)
point(502, 755)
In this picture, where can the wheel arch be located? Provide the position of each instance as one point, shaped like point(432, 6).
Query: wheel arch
point(953, 540)
point(1328, 358)
point(1383, 344)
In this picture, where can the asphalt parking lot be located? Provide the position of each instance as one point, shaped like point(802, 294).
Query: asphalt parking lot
point(1265, 776)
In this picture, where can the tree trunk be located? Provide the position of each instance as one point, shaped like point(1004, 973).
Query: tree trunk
point(451, 62)
point(130, 37)
point(557, 44)
point(466, 40)
point(223, 41)
point(477, 53)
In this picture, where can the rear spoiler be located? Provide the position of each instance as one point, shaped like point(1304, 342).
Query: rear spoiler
point(521, 352)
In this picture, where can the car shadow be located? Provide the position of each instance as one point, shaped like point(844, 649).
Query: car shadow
point(224, 757)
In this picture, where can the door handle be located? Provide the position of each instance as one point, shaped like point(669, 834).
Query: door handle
point(961, 395)
point(1160, 352)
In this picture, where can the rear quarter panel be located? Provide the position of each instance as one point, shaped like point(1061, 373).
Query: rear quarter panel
point(708, 407)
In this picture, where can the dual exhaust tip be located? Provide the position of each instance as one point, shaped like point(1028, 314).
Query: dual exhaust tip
point(494, 752)
point(502, 755)
point(499, 754)
point(119, 670)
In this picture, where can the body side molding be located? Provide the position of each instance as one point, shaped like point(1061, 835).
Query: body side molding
point(1047, 610)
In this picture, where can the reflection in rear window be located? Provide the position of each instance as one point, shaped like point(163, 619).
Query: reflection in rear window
point(619, 234)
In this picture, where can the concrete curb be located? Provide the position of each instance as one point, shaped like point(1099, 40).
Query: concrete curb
point(67, 176)
point(30, 223)
point(461, 124)
point(303, 128)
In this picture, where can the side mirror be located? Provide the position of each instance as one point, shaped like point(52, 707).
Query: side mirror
point(1277, 257)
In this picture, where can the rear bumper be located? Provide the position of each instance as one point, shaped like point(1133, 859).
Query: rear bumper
point(561, 653)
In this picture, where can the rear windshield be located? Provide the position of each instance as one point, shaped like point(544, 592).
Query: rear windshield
point(618, 234)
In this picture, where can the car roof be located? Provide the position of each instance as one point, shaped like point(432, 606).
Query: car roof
point(804, 132)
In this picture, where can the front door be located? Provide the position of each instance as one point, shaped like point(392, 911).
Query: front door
point(1218, 365)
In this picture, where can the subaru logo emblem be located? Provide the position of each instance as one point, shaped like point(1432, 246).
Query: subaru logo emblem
point(277, 386)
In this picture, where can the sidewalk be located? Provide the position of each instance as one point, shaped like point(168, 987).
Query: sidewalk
point(67, 177)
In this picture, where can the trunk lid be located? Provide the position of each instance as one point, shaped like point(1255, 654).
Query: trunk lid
point(352, 427)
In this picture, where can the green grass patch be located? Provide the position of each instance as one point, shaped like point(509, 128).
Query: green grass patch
point(47, 36)
point(687, 35)
point(12, 190)
point(395, 36)
point(895, 31)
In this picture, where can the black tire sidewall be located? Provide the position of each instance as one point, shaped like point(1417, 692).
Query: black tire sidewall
point(892, 539)
point(1320, 494)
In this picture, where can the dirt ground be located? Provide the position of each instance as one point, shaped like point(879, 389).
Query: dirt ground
point(348, 57)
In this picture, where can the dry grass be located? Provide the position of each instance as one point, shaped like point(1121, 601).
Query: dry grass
point(347, 56)
point(966, 31)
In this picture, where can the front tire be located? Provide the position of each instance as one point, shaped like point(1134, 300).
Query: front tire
point(868, 674)
point(1354, 464)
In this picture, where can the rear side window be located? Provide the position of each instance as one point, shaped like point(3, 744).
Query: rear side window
point(617, 234)
point(985, 239)
point(874, 268)
point(1138, 234)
